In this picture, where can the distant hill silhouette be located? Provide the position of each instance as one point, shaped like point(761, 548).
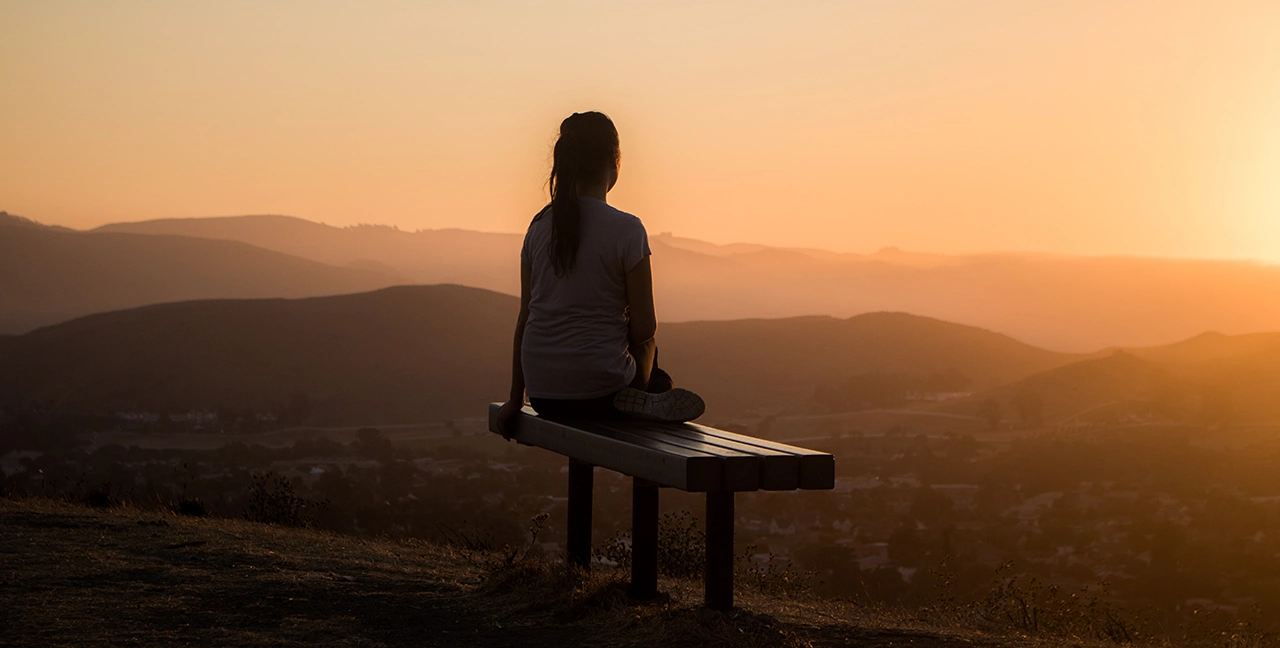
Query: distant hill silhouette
point(739, 364)
point(1209, 379)
point(476, 259)
point(399, 354)
point(425, 353)
point(13, 220)
point(1075, 303)
point(51, 274)
point(1210, 348)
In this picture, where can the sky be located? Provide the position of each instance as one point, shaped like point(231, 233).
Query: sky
point(1073, 126)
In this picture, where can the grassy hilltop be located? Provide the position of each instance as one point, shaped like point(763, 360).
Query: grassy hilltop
point(81, 576)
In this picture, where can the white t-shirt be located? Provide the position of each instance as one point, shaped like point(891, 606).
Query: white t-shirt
point(575, 340)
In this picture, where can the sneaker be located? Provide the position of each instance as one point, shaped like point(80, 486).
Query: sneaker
point(674, 406)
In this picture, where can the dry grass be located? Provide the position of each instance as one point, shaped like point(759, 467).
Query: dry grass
point(71, 575)
point(77, 576)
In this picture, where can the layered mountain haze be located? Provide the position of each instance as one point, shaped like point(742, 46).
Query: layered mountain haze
point(1069, 303)
point(415, 354)
point(395, 355)
point(1211, 379)
point(425, 353)
point(51, 274)
point(477, 259)
point(1208, 349)
point(760, 366)
point(431, 352)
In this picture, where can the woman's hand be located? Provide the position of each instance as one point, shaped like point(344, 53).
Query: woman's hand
point(506, 419)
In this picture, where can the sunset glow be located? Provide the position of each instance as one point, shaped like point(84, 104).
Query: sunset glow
point(1076, 127)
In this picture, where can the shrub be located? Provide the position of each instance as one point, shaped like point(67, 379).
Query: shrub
point(272, 500)
point(1026, 604)
point(682, 547)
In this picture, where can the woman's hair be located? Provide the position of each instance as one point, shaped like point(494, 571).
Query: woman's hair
point(585, 151)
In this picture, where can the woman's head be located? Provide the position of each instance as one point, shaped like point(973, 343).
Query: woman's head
point(586, 156)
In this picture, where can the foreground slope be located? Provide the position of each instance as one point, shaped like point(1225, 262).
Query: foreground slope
point(424, 353)
point(76, 576)
point(48, 275)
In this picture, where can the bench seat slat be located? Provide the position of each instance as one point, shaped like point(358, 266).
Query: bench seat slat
point(817, 469)
point(742, 470)
point(688, 456)
point(671, 445)
point(778, 470)
point(653, 461)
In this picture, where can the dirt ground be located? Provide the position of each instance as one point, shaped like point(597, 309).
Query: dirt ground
point(77, 576)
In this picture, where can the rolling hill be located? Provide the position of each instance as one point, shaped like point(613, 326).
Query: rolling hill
point(1075, 303)
point(51, 274)
point(1208, 379)
point(425, 353)
point(743, 363)
point(475, 259)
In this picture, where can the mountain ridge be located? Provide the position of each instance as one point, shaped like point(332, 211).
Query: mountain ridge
point(50, 274)
point(1062, 302)
point(414, 353)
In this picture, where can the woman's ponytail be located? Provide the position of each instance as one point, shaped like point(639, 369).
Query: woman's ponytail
point(585, 151)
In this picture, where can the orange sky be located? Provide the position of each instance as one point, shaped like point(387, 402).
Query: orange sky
point(1066, 126)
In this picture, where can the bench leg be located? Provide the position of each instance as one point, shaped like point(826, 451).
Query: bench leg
point(581, 475)
point(644, 539)
point(719, 573)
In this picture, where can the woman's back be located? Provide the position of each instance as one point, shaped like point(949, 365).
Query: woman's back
point(584, 342)
point(576, 338)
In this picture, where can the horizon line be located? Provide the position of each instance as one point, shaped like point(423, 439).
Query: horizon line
point(671, 234)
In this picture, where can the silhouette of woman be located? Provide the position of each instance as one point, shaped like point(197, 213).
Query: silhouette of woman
point(584, 342)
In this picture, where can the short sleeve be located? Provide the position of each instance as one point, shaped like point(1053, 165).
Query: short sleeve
point(526, 251)
point(634, 244)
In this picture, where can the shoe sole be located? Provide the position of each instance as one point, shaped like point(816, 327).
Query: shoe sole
point(673, 406)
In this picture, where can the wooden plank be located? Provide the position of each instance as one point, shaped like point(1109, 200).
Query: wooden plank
point(741, 472)
point(747, 463)
point(784, 467)
point(779, 471)
point(817, 469)
point(661, 463)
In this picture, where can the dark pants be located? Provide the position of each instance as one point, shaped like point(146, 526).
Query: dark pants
point(602, 406)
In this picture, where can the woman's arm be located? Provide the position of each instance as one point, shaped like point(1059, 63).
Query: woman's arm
point(515, 400)
point(643, 322)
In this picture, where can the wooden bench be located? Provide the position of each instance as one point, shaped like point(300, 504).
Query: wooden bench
point(688, 456)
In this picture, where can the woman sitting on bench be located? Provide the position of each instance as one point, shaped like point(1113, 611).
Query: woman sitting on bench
point(584, 342)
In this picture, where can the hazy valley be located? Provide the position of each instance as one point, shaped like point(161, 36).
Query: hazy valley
point(275, 349)
point(1065, 303)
